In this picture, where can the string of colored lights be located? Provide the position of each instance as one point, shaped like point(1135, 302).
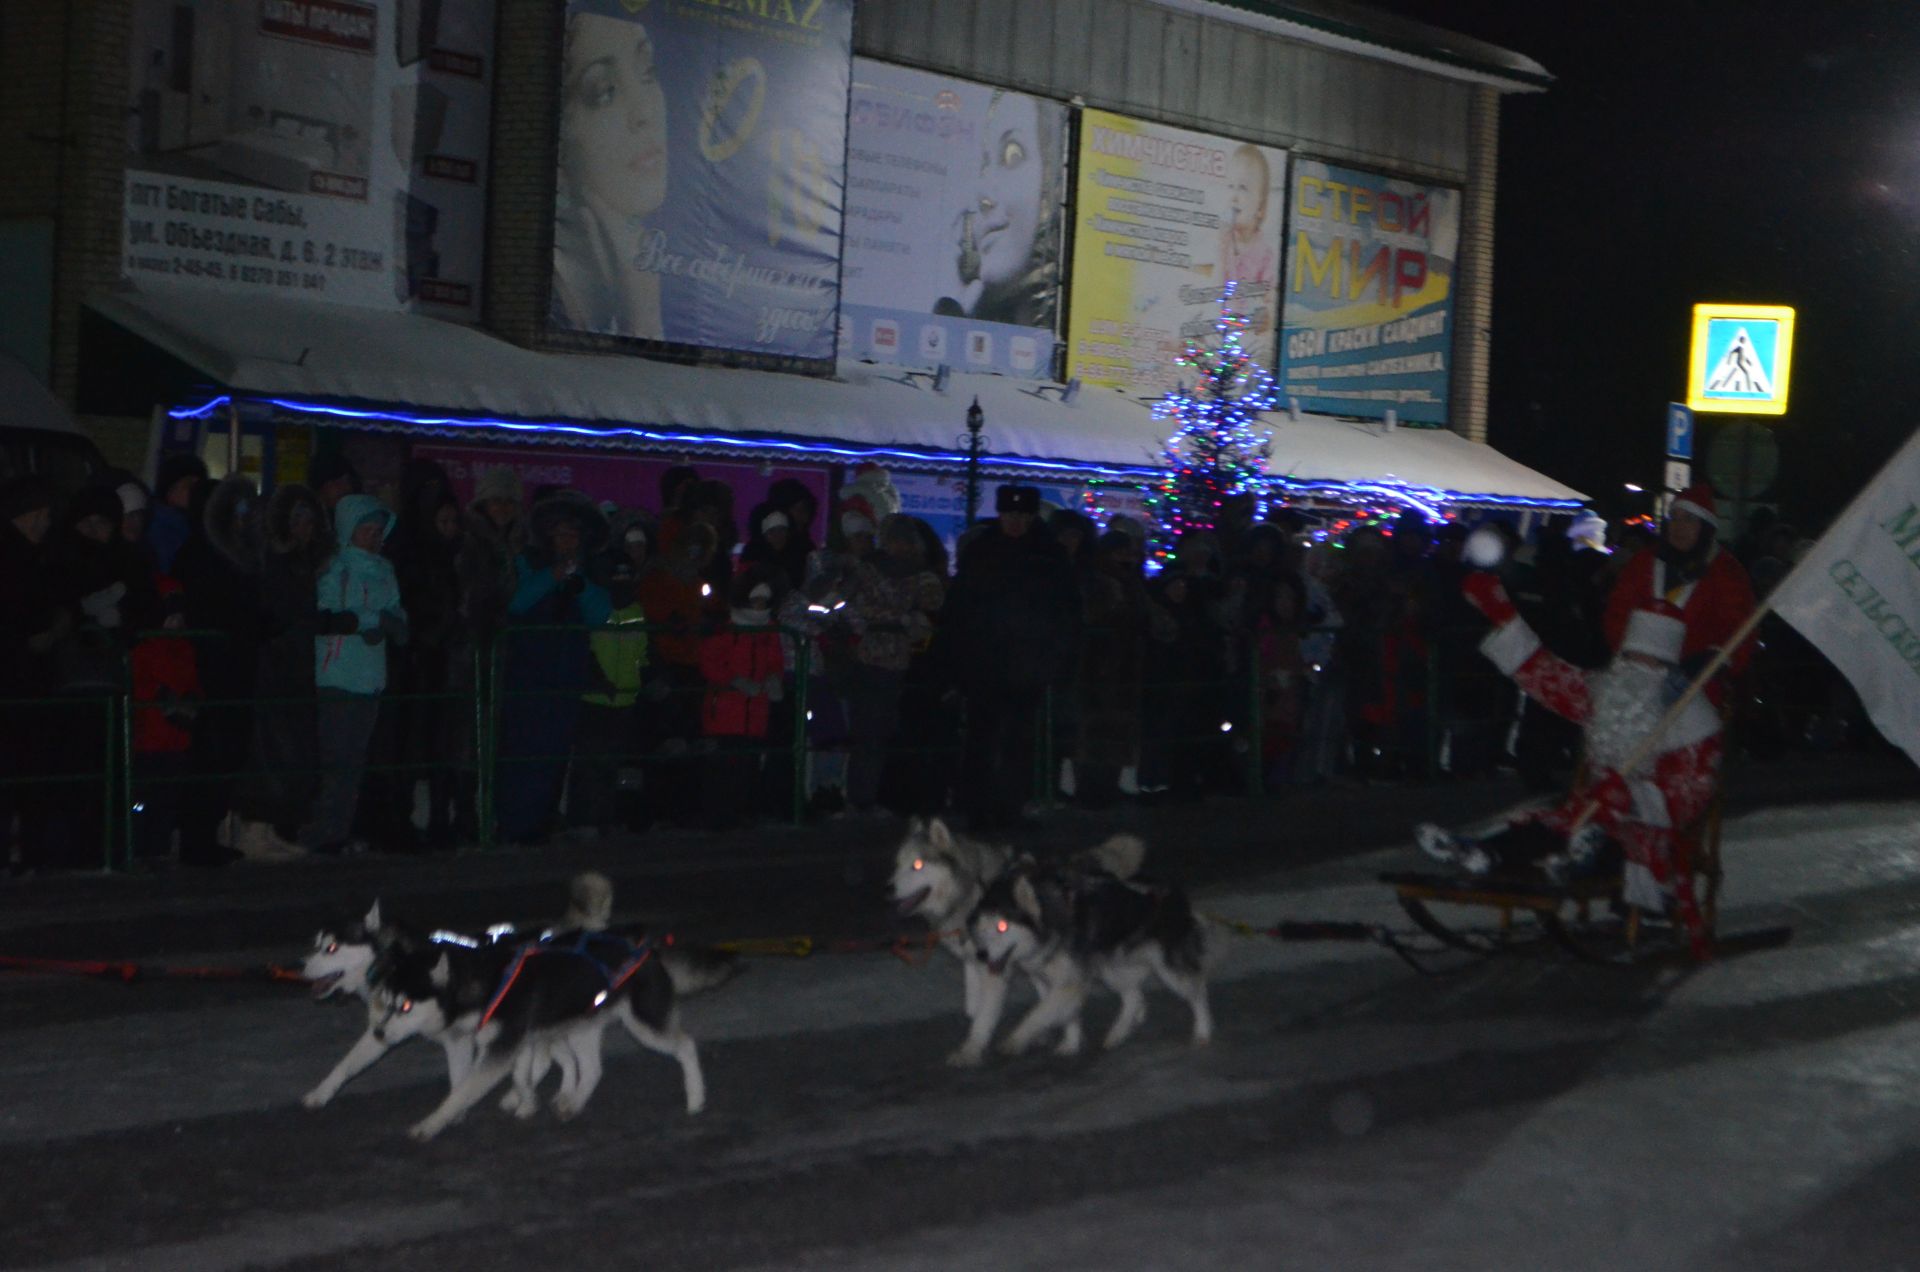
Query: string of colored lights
point(1217, 453)
point(1383, 489)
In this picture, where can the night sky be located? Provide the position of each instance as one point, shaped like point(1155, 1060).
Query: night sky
point(1703, 150)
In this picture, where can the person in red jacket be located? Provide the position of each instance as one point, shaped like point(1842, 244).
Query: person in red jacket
point(166, 697)
point(1693, 573)
point(745, 669)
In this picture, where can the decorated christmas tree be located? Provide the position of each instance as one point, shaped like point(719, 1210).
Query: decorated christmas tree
point(1218, 451)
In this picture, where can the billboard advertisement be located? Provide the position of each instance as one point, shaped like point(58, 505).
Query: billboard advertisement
point(954, 194)
point(1164, 219)
point(701, 172)
point(328, 149)
point(1369, 302)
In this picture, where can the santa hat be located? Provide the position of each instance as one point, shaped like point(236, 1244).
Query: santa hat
point(774, 521)
point(872, 486)
point(1698, 500)
point(1655, 633)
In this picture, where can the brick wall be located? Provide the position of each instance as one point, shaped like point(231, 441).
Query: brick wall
point(32, 37)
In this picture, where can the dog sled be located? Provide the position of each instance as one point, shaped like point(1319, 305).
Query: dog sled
point(1588, 919)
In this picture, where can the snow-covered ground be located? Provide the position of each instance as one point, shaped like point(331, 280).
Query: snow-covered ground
point(1349, 1114)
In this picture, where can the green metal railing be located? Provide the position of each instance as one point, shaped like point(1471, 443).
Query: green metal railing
point(484, 765)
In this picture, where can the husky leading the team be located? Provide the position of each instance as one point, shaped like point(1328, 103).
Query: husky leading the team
point(502, 1005)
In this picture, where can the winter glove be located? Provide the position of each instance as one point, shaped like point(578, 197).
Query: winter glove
point(742, 684)
point(656, 689)
point(775, 688)
point(1486, 594)
point(103, 607)
point(1686, 673)
point(337, 623)
point(179, 712)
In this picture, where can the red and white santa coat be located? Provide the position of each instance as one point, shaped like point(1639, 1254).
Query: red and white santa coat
point(1639, 809)
point(1712, 606)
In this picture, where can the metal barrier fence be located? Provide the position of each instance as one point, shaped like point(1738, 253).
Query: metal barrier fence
point(506, 741)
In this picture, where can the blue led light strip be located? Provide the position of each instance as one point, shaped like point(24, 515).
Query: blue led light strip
point(1424, 498)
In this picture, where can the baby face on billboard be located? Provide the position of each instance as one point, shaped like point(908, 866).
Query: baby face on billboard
point(1247, 191)
point(1009, 212)
point(613, 117)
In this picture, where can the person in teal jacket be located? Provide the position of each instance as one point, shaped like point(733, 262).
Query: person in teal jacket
point(358, 597)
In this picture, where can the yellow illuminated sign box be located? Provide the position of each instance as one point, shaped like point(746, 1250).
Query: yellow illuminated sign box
point(1741, 358)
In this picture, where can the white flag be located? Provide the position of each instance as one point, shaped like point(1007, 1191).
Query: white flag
point(1856, 596)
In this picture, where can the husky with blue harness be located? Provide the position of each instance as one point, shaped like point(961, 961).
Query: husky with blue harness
point(524, 1006)
point(349, 952)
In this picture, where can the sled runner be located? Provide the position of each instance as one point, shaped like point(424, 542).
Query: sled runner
point(1586, 918)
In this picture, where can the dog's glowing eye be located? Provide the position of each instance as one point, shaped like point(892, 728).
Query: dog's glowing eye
point(333, 947)
point(406, 1006)
point(919, 864)
point(1001, 925)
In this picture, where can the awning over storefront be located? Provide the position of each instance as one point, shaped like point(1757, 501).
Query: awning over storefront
point(391, 370)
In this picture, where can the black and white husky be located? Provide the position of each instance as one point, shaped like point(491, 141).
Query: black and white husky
point(549, 1003)
point(1092, 918)
point(938, 877)
point(346, 951)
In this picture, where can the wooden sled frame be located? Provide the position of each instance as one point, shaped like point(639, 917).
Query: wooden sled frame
point(1565, 914)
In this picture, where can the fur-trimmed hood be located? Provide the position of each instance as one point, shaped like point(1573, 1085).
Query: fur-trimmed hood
point(568, 505)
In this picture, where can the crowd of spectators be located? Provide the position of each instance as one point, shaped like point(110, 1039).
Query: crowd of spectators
point(322, 671)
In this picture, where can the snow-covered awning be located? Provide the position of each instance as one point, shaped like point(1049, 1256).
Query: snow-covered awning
point(406, 371)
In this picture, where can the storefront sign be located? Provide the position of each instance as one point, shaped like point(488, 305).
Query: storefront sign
point(631, 481)
point(1369, 299)
point(328, 149)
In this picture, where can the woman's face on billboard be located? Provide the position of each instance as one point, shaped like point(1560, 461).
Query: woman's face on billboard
point(613, 116)
point(1010, 185)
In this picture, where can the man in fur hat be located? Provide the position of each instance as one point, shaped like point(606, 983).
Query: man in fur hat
point(1014, 613)
point(1618, 708)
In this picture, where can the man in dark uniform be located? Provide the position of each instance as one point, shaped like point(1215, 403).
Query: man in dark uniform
point(1014, 616)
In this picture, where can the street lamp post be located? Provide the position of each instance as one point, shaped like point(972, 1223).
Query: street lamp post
point(972, 443)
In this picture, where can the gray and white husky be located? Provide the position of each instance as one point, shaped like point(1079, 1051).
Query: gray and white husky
point(938, 877)
point(1090, 919)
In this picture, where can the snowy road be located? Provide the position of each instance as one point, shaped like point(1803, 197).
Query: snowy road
point(1763, 1113)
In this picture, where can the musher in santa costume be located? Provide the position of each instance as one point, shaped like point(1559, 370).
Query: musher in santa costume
point(1618, 707)
point(1693, 573)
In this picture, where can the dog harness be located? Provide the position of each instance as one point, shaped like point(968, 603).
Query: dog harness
point(614, 975)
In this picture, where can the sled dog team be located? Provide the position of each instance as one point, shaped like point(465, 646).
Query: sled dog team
point(509, 1005)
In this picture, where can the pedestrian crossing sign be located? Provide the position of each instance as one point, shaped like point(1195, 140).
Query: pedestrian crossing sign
point(1740, 359)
